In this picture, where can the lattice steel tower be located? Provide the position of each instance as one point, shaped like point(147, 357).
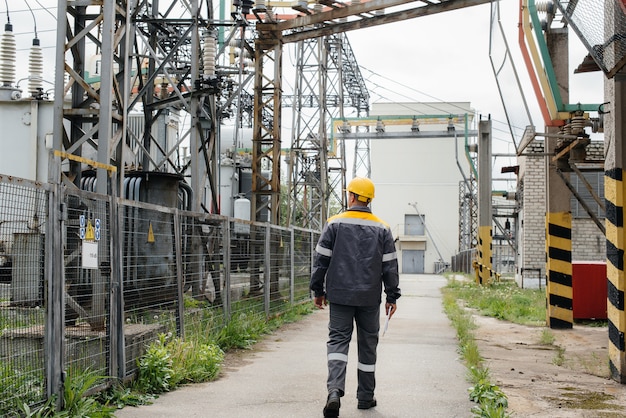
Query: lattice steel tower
point(328, 80)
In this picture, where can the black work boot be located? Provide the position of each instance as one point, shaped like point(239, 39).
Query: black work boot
point(366, 404)
point(332, 404)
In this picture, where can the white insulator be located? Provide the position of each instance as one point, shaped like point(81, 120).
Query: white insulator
point(544, 6)
point(234, 43)
point(35, 69)
point(208, 57)
point(578, 125)
point(260, 5)
point(7, 56)
point(248, 63)
point(318, 8)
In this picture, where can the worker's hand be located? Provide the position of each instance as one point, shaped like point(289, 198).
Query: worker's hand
point(393, 308)
point(320, 301)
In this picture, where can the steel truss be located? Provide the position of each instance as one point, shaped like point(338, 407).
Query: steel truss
point(317, 165)
point(157, 57)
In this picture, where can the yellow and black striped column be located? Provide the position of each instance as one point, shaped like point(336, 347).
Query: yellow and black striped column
point(614, 194)
point(485, 188)
point(559, 270)
point(484, 267)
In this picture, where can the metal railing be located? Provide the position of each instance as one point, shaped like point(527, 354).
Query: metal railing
point(129, 272)
point(503, 260)
point(462, 262)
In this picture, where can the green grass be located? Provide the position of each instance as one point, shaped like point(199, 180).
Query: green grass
point(547, 337)
point(19, 386)
point(243, 330)
point(490, 398)
point(170, 362)
point(491, 401)
point(559, 357)
point(503, 300)
point(76, 403)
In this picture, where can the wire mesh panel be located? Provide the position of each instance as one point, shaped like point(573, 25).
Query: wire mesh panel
point(503, 257)
point(239, 255)
point(303, 247)
point(248, 267)
point(203, 274)
point(601, 26)
point(279, 268)
point(150, 277)
point(180, 273)
point(23, 217)
point(463, 261)
point(87, 283)
point(286, 264)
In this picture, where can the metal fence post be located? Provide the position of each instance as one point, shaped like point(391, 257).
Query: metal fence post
point(267, 269)
point(313, 243)
point(117, 364)
point(180, 320)
point(55, 314)
point(226, 263)
point(292, 266)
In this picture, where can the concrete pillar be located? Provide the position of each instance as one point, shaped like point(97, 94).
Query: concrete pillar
point(614, 191)
point(484, 267)
point(558, 215)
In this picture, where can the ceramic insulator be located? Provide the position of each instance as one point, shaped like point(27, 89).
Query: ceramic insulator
point(35, 69)
point(7, 56)
point(208, 57)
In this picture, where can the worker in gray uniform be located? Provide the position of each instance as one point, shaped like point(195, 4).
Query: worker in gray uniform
point(354, 257)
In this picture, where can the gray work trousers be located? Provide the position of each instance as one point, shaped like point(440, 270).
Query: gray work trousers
point(340, 327)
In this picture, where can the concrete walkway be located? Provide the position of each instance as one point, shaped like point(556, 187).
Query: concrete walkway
point(419, 373)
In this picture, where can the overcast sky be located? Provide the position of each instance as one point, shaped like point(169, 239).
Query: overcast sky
point(442, 57)
point(446, 56)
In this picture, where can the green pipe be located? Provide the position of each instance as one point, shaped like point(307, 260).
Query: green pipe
point(545, 56)
point(220, 29)
point(389, 117)
point(547, 61)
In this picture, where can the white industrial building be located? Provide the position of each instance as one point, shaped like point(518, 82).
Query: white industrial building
point(417, 180)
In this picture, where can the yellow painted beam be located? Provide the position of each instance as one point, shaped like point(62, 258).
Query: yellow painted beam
point(538, 63)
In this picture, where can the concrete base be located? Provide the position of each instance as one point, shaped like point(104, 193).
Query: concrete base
point(84, 348)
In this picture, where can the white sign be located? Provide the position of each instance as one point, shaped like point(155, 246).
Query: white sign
point(90, 255)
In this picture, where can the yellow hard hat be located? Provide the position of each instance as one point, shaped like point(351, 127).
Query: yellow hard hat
point(362, 187)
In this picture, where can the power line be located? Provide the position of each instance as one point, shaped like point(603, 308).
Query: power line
point(504, 131)
point(417, 91)
point(31, 32)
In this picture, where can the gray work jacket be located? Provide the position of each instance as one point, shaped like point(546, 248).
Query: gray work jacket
point(354, 257)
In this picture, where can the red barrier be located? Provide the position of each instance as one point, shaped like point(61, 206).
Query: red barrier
point(589, 289)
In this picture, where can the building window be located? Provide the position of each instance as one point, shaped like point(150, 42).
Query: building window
point(596, 180)
point(413, 224)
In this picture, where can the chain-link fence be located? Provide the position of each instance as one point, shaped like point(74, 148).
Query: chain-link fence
point(601, 26)
point(462, 262)
point(128, 271)
point(23, 216)
point(503, 260)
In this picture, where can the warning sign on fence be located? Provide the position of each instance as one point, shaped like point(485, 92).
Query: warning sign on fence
point(90, 255)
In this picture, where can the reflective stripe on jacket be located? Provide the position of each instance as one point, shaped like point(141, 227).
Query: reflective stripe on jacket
point(354, 257)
